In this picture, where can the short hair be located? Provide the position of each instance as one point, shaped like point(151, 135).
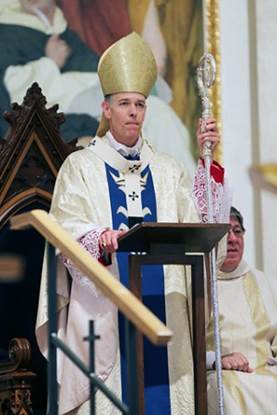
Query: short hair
point(108, 98)
point(236, 214)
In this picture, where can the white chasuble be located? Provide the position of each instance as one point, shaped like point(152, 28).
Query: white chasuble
point(81, 202)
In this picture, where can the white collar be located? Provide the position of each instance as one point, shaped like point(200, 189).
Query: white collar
point(102, 148)
point(125, 151)
point(11, 13)
point(241, 270)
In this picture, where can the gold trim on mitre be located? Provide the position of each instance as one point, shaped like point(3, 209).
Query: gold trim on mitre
point(126, 66)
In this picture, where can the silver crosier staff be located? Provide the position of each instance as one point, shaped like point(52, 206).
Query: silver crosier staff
point(206, 72)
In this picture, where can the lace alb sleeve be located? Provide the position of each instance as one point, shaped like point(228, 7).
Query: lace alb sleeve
point(221, 195)
point(90, 242)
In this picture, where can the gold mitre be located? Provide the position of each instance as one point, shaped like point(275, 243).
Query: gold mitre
point(126, 66)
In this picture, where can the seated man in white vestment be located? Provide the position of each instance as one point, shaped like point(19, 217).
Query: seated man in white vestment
point(248, 327)
point(101, 191)
point(38, 46)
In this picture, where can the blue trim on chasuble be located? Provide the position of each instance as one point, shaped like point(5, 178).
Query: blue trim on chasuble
point(156, 377)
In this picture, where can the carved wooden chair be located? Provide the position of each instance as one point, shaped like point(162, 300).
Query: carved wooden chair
point(30, 158)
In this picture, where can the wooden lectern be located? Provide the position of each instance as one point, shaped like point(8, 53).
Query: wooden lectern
point(173, 243)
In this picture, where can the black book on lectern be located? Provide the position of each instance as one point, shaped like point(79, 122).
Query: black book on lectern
point(189, 237)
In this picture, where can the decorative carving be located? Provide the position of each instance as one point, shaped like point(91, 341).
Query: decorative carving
point(19, 355)
point(32, 114)
point(15, 380)
point(20, 402)
point(16, 400)
point(33, 98)
point(33, 152)
point(33, 172)
point(30, 158)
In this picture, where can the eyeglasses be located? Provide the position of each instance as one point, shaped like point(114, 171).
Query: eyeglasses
point(236, 230)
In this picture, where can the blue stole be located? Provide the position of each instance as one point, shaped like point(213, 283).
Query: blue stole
point(156, 377)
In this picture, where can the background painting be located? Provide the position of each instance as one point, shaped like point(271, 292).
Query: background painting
point(173, 29)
